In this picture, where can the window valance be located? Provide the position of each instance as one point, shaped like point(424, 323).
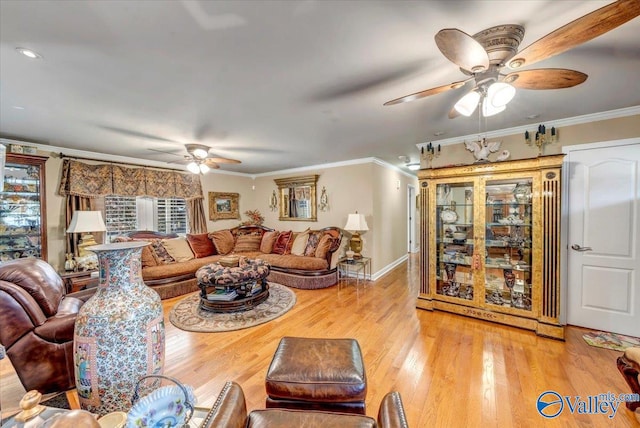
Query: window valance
point(94, 181)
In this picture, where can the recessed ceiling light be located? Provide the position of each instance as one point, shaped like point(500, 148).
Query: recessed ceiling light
point(533, 116)
point(18, 107)
point(29, 53)
point(438, 133)
point(413, 166)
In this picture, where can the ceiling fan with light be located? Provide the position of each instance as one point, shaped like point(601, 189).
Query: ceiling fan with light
point(199, 161)
point(483, 56)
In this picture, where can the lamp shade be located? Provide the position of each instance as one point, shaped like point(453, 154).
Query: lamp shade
point(356, 222)
point(467, 104)
point(500, 93)
point(86, 221)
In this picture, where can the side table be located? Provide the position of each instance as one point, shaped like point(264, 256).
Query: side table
point(76, 281)
point(353, 268)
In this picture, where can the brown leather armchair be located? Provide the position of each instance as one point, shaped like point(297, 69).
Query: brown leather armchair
point(38, 321)
point(230, 411)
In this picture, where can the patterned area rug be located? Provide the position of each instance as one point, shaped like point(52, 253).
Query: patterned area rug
point(617, 342)
point(187, 315)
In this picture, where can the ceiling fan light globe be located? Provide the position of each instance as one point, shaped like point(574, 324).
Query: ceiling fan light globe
point(468, 104)
point(193, 168)
point(489, 110)
point(500, 93)
point(200, 153)
point(204, 168)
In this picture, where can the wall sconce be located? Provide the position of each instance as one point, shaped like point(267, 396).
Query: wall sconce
point(431, 153)
point(542, 138)
point(324, 200)
point(273, 201)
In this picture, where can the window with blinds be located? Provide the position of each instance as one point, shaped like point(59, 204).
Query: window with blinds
point(125, 214)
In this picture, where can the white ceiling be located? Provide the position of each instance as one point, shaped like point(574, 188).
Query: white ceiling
point(276, 84)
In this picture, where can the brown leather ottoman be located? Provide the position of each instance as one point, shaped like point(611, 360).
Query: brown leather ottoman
point(317, 374)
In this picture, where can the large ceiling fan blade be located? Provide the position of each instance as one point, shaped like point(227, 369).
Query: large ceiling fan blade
point(211, 163)
point(427, 92)
point(545, 78)
point(221, 160)
point(462, 50)
point(578, 32)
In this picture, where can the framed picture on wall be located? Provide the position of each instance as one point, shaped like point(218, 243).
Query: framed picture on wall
point(223, 206)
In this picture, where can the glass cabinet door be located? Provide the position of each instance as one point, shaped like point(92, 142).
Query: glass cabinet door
point(508, 240)
point(454, 240)
point(21, 210)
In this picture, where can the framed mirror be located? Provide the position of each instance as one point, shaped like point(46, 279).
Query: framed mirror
point(297, 198)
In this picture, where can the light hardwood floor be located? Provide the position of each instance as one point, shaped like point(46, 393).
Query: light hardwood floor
point(451, 371)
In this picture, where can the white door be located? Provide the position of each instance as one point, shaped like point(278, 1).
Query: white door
point(603, 238)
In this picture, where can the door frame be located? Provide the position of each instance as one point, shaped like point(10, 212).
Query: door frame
point(564, 222)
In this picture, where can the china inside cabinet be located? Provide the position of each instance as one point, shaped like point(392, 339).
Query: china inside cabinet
point(22, 208)
point(492, 235)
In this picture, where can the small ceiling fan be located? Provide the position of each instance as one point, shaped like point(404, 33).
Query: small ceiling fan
point(483, 56)
point(199, 160)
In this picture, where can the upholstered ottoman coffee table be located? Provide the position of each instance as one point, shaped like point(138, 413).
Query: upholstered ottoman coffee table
point(317, 374)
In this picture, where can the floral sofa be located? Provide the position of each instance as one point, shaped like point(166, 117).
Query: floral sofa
point(305, 259)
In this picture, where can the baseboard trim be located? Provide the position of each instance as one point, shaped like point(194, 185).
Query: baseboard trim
point(388, 268)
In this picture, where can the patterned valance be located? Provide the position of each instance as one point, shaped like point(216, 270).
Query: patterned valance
point(94, 181)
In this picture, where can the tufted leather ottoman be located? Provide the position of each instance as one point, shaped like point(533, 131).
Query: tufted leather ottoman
point(317, 374)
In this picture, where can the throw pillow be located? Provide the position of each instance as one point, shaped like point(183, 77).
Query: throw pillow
point(178, 248)
point(282, 243)
point(312, 244)
point(247, 243)
point(223, 241)
point(324, 245)
point(162, 256)
point(201, 245)
point(300, 243)
point(268, 239)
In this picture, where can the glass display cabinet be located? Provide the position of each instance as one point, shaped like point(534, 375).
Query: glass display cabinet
point(22, 208)
point(492, 235)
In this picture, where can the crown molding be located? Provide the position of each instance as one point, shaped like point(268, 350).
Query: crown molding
point(577, 120)
point(334, 165)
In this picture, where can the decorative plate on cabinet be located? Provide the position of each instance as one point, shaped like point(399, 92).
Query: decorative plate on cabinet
point(449, 216)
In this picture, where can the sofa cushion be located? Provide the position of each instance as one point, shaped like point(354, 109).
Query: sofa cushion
point(178, 248)
point(247, 243)
point(323, 246)
point(201, 245)
point(312, 244)
point(283, 243)
point(177, 269)
point(289, 261)
point(223, 241)
point(268, 239)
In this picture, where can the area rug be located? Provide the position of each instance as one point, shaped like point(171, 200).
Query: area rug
point(187, 315)
point(617, 342)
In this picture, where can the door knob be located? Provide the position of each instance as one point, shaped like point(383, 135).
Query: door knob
point(579, 248)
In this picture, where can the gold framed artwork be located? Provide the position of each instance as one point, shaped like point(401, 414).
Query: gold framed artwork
point(223, 206)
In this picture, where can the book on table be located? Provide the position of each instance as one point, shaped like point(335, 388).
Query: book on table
point(223, 295)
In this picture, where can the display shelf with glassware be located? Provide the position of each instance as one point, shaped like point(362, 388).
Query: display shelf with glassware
point(492, 234)
point(22, 208)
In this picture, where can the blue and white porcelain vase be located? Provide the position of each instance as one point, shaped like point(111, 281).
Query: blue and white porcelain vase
point(119, 332)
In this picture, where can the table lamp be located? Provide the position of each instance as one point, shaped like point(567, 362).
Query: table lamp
point(86, 222)
point(356, 223)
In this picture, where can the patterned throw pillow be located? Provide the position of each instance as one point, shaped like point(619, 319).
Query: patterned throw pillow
point(247, 243)
point(281, 246)
point(162, 255)
point(312, 244)
point(324, 245)
point(223, 241)
point(201, 245)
